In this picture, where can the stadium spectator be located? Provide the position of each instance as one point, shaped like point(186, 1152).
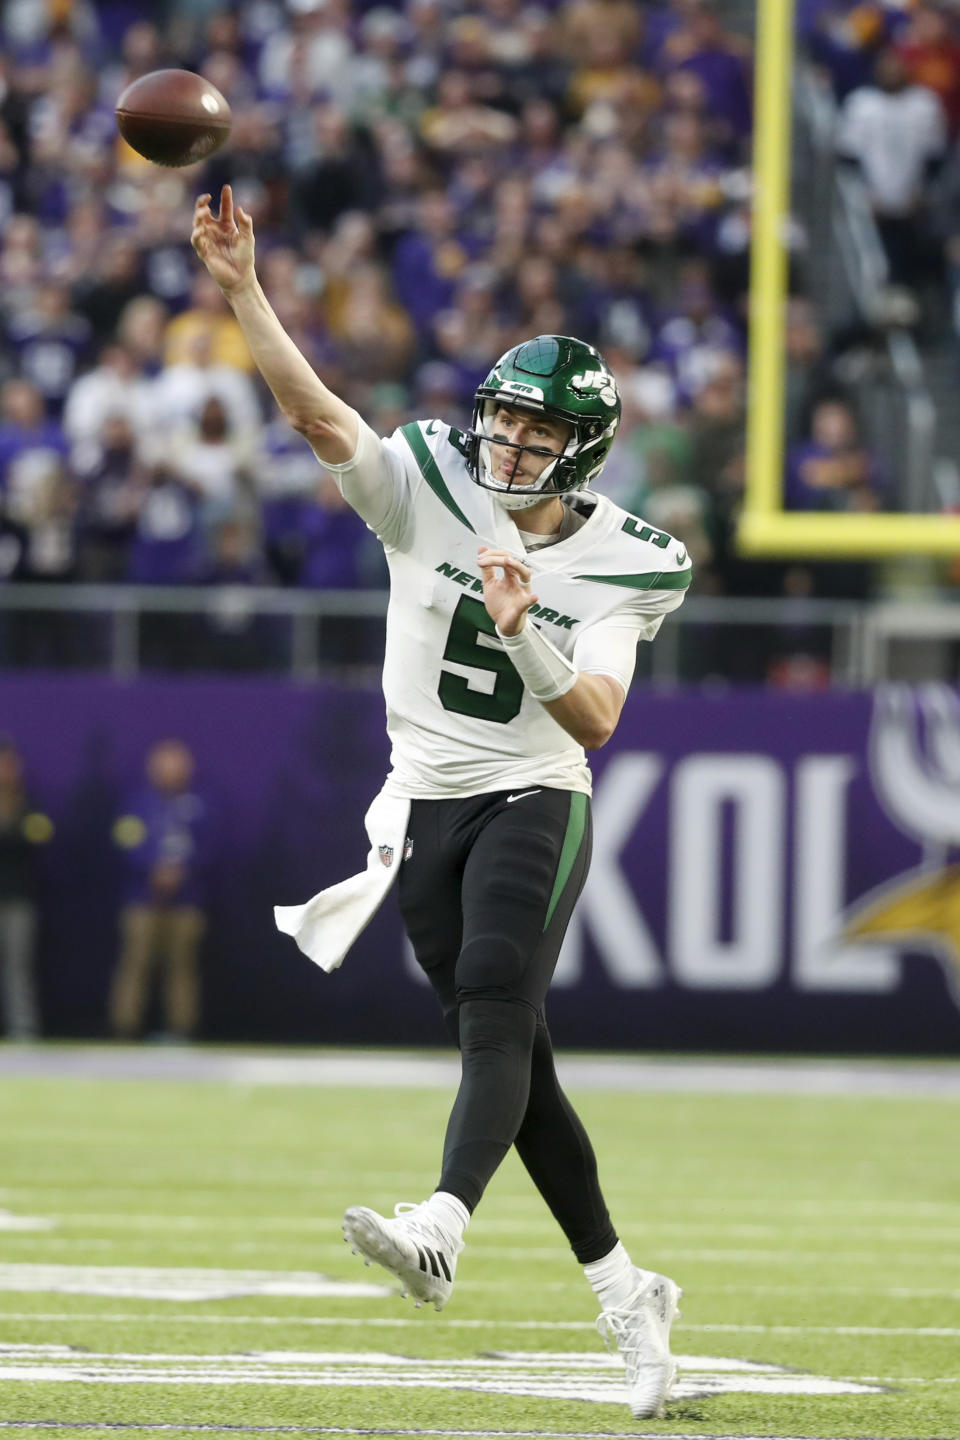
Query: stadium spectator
point(183, 388)
point(112, 280)
point(460, 124)
point(115, 386)
point(206, 319)
point(50, 343)
point(166, 547)
point(336, 549)
point(141, 330)
point(702, 46)
point(929, 47)
point(216, 463)
point(428, 260)
point(842, 37)
point(337, 172)
point(165, 846)
point(690, 339)
point(833, 470)
point(24, 830)
point(895, 132)
point(112, 479)
point(371, 333)
point(29, 439)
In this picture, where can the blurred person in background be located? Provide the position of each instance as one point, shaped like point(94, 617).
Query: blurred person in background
point(181, 390)
point(166, 547)
point(50, 343)
point(337, 174)
point(164, 844)
point(216, 464)
point(832, 469)
point(689, 340)
point(336, 552)
point(116, 385)
point(27, 433)
point(842, 38)
point(110, 282)
point(701, 45)
point(371, 332)
point(40, 497)
point(895, 132)
point(429, 260)
point(24, 830)
point(140, 329)
point(112, 480)
point(206, 327)
point(929, 46)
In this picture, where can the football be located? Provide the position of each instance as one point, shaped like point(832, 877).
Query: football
point(173, 117)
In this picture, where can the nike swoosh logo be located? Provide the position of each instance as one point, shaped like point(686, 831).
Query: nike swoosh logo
point(432, 428)
point(526, 793)
point(682, 558)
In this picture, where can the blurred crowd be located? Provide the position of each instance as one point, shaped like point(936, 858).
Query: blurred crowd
point(430, 182)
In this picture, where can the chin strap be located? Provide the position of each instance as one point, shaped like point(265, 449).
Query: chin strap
point(544, 671)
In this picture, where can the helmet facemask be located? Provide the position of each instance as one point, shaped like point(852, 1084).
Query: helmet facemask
point(560, 379)
point(519, 495)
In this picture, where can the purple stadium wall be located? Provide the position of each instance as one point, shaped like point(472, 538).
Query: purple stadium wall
point(741, 839)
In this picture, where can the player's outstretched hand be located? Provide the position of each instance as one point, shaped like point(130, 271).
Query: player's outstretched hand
point(225, 242)
point(506, 589)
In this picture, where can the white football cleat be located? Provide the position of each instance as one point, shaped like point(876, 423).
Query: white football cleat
point(641, 1332)
point(413, 1247)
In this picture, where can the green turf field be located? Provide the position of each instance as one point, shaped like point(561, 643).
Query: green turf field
point(817, 1239)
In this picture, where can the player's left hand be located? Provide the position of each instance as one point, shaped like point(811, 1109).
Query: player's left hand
point(506, 589)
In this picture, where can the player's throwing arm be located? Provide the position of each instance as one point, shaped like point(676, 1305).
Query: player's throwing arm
point(225, 244)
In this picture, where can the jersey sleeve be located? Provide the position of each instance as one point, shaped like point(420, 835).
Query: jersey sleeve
point(609, 645)
point(609, 648)
point(375, 483)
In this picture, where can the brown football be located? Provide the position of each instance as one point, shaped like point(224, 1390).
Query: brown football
point(173, 117)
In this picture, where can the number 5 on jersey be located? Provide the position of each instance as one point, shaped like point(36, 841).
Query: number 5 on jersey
point(464, 646)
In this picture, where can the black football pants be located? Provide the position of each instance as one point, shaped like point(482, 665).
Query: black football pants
point(486, 896)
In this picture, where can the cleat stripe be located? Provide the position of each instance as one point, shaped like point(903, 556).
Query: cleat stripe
point(443, 1265)
point(435, 1270)
point(423, 1260)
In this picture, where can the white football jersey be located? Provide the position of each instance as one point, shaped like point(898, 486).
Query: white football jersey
point(459, 718)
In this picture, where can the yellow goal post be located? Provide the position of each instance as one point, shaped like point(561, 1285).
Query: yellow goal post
point(765, 527)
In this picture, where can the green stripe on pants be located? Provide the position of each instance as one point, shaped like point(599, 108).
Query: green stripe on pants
point(572, 841)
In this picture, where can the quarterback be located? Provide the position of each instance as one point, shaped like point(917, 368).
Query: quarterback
point(517, 598)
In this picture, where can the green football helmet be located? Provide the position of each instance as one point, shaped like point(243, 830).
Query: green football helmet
point(563, 378)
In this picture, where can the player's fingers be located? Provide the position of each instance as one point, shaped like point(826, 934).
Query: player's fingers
point(244, 221)
point(226, 205)
point(503, 560)
point(517, 567)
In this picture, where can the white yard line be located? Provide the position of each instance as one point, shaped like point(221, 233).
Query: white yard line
point(932, 1234)
point(530, 1254)
point(381, 1322)
point(432, 1070)
point(135, 1428)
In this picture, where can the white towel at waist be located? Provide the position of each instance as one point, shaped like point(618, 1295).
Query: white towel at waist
point(326, 926)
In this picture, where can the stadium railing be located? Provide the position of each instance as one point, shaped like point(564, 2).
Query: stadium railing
point(127, 630)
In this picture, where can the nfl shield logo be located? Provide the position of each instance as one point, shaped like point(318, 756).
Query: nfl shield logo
point(386, 855)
